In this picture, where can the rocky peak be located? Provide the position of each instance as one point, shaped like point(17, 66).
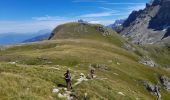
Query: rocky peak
point(156, 2)
point(162, 18)
point(149, 25)
point(132, 17)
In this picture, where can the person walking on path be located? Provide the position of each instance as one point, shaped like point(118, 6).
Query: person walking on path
point(67, 76)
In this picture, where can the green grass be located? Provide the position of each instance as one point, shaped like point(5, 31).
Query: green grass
point(85, 31)
point(159, 53)
point(33, 78)
point(76, 46)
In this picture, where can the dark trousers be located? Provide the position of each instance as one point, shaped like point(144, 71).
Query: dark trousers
point(68, 83)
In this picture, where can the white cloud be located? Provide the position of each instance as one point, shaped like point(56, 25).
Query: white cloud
point(36, 25)
point(107, 9)
point(50, 22)
point(102, 22)
point(33, 25)
point(49, 18)
point(28, 26)
point(128, 3)
point(95, 22)
point(101, 14)
point(135, 7)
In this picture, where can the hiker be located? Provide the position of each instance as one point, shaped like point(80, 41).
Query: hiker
point(92, 71)
point(67, 76)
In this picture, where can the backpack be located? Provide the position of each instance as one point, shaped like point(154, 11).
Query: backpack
point(67, 76)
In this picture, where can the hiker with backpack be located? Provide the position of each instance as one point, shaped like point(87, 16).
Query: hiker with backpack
point(92, 72)
point(67, 77)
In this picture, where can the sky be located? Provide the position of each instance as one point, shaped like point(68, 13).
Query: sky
point(26, 16)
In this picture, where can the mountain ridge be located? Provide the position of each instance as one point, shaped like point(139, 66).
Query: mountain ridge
point(149, 25)
point(38, 38)
point(12, 38)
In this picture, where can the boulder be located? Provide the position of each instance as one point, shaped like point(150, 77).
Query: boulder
point(100, 66)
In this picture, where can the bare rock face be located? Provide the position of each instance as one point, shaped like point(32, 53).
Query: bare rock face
point(165, 81)
point(154, 89)
point(149, 25)
point(167, 34)
point(162, 18)
point(148, 61)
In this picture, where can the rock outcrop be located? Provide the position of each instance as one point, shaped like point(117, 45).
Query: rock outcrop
point(165, 81)
point(100, 66)
point(103, 30)
point(154, 89)
point(148, 61)
point(149, 25)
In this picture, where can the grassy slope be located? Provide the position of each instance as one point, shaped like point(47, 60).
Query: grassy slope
point(35, 74)
point(33, 78)
point(158, 52)
point(85, 31)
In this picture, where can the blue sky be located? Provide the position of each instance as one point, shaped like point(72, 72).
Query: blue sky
point(26, 16)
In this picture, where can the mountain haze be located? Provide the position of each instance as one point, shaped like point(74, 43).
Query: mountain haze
point(12, 38)
point(38, 38)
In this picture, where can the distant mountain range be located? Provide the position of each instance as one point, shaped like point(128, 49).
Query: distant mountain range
point(38, 38)
point(14, 38)
point(116, 24)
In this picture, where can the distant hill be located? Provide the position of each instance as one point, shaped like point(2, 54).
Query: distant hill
point(85, 31)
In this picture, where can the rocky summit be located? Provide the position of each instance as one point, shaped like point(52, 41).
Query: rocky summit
point(150, 25)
